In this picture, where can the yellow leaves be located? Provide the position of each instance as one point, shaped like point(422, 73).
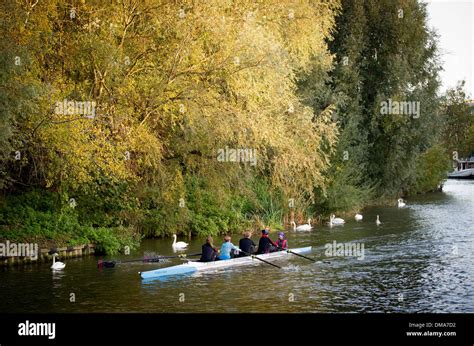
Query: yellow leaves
point(303, 160)
point(174, 189)
point(232, 65)
point(80, 150)
point(250, 56)
point(146, 147)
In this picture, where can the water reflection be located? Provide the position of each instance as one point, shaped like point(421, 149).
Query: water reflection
point(57, 276)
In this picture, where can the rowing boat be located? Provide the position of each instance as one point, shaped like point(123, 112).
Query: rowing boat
point(194, 266)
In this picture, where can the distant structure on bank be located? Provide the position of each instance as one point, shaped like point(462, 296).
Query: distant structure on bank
point(464, 167)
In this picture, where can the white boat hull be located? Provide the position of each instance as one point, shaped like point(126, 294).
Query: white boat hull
point(463, 174)
point(194, 266)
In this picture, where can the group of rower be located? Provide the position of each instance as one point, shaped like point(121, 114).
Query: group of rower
point(246, 246)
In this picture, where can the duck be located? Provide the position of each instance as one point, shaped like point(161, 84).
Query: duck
point(305, 227)
point(401, 204)
point(179, 244)
point(333, 220)
point(57, 265)
point(377, 222)
point(358, 217)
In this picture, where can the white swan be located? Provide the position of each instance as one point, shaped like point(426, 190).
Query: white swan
point(57, 265)
point(305, 227)
point(401, 204)
point(358, 217)
point(333, 220)
point(178, 245)
point(377, 222)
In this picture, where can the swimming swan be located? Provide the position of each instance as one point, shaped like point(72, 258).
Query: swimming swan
point(178, 245)
point(377, 222)
point(57, 265)
point(305, 227)
point(336, 220)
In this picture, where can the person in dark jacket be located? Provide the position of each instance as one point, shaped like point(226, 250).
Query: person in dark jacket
point(265, 244)
point(209, 251)
point(246, 245)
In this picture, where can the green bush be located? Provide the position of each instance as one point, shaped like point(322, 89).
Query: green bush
point(431, 170)
point(38, 216)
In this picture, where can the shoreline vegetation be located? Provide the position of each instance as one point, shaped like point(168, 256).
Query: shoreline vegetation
point(116, 128)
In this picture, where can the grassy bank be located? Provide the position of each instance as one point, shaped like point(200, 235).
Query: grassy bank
point(38, 217)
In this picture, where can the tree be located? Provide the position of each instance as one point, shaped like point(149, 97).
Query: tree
point(384, 53)
point(458, 134)
point(127, 112)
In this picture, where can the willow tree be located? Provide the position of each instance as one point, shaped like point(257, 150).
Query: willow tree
point(172, 83)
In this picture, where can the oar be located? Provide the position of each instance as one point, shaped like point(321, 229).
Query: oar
point(297, 254)
point(260, 259)
point(111, 264)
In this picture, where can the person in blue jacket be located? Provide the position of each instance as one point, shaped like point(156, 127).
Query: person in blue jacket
point(226, 248)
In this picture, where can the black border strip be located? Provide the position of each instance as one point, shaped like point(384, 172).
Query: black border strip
point(243, 329)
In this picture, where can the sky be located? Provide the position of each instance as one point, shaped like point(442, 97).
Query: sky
point(454, 22)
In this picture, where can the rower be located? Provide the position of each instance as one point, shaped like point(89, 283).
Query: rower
point(226, 248)
point(209, 252)
point(282, 243)
point(246, 245)
point(265, 244)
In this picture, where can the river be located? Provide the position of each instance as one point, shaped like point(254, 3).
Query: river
point(421, 259)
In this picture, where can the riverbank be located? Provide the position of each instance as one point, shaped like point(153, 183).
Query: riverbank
point(40, 255)
point(36, 219)
point(39, 217)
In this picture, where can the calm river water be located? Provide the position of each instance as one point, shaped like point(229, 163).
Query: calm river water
point(421, 259)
